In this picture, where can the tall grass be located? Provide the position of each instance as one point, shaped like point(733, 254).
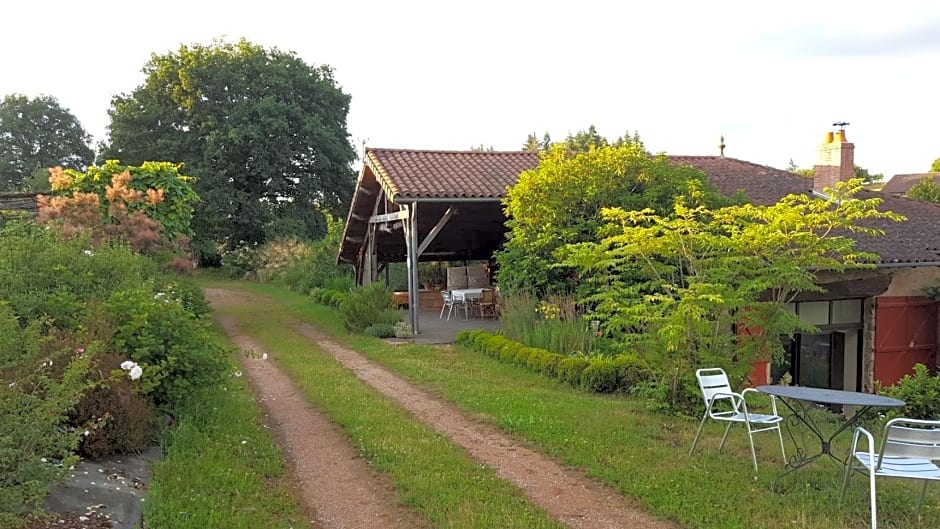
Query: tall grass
point(554, 323)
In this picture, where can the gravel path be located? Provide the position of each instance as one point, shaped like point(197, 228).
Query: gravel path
point(567, 495)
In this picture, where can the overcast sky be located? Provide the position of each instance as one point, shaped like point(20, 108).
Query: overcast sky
point(770, 77)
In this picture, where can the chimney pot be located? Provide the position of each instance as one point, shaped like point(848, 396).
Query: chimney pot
point(829, 137)
point(840, 136)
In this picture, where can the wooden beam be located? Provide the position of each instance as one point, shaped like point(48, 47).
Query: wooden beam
point(436, 229)
point(388, 217)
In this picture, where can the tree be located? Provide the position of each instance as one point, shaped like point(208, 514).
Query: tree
point(866, 177)
point(581, 141)
point(36, 134)
point(926, 190)
point(559, 202)
point(263, 132)
point(676, 285)
point(935, 166)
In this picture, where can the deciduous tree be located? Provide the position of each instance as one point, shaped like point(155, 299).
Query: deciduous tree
point(559, 202)
point(677, 284)
point(263, 132)
point(926, 190)
point(36, 134)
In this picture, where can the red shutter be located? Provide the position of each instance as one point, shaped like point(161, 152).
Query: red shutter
point(905, 334)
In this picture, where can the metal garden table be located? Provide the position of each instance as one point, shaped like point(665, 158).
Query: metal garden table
point(799, 400)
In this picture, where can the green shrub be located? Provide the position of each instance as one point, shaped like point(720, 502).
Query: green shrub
point(242, 262)
point(601, 376)
point(173, 346)
point(380, 330)
point(364, 306)
point(42, 375)
point(390, 316)
point(920, 392)
point(631, 369)
point(549, 364)
point(570, 369)
point(403, 330)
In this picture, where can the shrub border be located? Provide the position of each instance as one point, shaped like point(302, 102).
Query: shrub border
point(598, 374)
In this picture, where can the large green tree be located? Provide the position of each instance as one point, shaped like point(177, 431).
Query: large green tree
point(560, 201)
point(263, 132)
point(935, 166)
point(36, 134)
point(674, 285)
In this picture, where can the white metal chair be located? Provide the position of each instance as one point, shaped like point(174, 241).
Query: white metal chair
point(909, 450)
point(723, 404)
point(449, 303)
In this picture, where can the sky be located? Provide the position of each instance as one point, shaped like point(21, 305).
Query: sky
point(771, 77)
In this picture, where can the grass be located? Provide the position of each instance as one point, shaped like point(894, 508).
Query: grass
point(432, 476)
point(220, 468)
point(639, 452)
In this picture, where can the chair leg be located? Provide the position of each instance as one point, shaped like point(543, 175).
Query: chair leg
point(698, 433)
point(750, 439)
point(920, 505)
point(845, 480)
point(874, 500)
point(725, 436)
point(444, 306)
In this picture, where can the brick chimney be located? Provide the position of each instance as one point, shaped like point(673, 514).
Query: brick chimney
point(836, 161)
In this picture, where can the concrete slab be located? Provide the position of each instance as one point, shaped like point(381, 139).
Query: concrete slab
point(112, 486)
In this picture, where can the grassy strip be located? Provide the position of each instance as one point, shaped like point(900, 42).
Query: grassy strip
point(641, 453)
point(221, 468)
point(432, 475)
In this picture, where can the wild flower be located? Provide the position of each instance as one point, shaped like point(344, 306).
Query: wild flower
point(88, 252)
point(134, 371)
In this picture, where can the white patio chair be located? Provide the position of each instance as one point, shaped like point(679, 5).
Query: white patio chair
point(449, 303)
point(723, 404)
point(909, 450)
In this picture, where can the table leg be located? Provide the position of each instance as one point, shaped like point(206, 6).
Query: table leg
point(800, 416)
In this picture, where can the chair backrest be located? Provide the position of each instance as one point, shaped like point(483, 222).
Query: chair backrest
point(445, 294)
point(713, 380)
point(488, 295)
point(911, 438)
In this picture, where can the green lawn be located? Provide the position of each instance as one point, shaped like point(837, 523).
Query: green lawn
point(618, 440)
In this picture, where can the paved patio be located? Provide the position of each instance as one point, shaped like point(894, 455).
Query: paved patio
point(436, 330)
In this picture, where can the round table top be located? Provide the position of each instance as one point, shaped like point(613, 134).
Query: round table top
point(831, 396)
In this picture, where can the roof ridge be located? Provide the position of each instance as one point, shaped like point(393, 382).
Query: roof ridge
point(447, 151)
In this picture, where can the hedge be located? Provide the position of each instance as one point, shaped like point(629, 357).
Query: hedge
point(598, 374)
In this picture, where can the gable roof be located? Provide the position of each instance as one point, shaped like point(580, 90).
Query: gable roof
point(476, 176)
point(410, 175)
point(902, 183)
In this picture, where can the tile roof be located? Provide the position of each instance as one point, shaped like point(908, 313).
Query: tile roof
point(410, 174)
point(902, 183)
point(417, 174)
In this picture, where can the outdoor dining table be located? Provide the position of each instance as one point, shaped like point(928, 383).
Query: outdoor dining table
point(800, 400)
point(465, 295)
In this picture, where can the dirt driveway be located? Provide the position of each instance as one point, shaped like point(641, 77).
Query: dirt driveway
point(331, 474)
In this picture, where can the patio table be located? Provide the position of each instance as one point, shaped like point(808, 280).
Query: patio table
point(800, 399)
point(464, 295)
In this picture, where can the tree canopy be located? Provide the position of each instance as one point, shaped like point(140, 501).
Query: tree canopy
point(560, 201)
point(935, 166)
point(36, 134)
point(581, 141)
point(926, 190)
point(263, 133)
point(678, 283)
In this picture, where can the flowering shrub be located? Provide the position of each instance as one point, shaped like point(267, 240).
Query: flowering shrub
point(242, 262)
point(42, 375)
point(278, 256)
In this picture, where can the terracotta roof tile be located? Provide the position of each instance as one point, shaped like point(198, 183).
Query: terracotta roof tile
point(410, 174)
point(416, 174)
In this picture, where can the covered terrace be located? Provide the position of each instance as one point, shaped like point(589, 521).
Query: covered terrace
point(420, 205)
